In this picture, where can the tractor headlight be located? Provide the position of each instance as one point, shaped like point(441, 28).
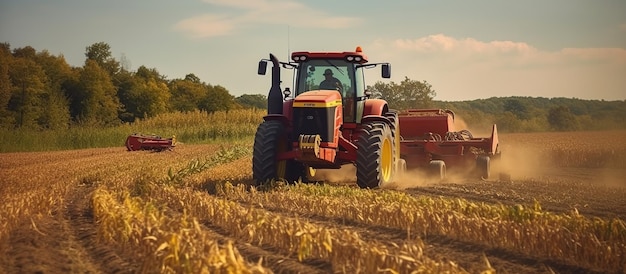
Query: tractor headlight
point(353, 58)
point(299, 58)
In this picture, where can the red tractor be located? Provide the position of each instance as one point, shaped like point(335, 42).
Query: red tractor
point(330, 121)
point(327, 122)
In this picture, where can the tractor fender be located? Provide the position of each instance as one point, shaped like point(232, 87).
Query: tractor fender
point(375, 118)
point(285, 117)
point(277, 117)
point(375, 107)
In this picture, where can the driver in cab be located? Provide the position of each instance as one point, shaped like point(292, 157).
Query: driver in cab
point(330, 82)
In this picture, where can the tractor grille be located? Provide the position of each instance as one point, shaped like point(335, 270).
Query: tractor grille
point(313, 121)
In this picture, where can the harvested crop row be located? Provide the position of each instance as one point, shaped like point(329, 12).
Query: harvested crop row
point(35, 184)
point(163, 244)
point(595, 244)
point(345, 250)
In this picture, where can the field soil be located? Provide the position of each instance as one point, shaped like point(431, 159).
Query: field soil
point(65, 239)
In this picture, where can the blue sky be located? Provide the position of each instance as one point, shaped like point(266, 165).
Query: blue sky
point(465, 49)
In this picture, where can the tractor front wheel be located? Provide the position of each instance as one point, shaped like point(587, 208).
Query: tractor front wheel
point(375, 155)
point(269, 140)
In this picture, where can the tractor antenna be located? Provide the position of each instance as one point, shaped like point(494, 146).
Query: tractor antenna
point(288, 42)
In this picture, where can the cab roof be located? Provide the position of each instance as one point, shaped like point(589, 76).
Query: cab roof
point(356, 56)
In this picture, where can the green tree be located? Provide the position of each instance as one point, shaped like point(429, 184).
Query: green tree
point(7, 119)
point(101, 53)
point(217, 98)
point(508, 122)
point(99, 103)
point(147, 74)
point(186, 94)
point(561, 118)
point(28, 90)
point(56, 113)
point(192, 78)
point(408, 94)
point(27, 52)
point(518, 108)
point(147, 98)
point(143, 97)
point(149, 94)
point(126, 93)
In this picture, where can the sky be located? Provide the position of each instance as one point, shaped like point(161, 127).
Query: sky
point(465, 49)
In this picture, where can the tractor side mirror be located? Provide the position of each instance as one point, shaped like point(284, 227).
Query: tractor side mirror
point(386, 71)
point(262, 67)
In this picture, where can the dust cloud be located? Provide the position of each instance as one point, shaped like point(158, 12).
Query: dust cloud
point(460, 124)
point(520, 162)
point(411, 179)
point(347, 173)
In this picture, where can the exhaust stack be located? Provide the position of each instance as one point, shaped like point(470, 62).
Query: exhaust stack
point(275, 98)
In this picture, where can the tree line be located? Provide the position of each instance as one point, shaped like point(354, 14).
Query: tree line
point(511, 114)
point(535, 114)
point(39, 90)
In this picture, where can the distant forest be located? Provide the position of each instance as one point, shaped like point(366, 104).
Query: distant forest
point(40, 91)
point(528, 114)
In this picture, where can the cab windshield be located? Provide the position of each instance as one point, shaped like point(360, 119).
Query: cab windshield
point(325, 74)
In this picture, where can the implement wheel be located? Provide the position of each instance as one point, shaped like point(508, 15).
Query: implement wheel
point(269, 140)
point(375, 155)
point(437, 169)
point(483, 167)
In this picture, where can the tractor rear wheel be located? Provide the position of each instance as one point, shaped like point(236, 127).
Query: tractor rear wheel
point(269, 140)
point(394, 124)
point(483, 166)
point(437, 169)
point(375, 150)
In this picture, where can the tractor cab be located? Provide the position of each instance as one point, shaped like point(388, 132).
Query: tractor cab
point(340, 71)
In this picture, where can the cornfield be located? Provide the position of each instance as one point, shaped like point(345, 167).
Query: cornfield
point(193, 210)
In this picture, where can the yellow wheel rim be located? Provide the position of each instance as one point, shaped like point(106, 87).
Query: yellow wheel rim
point(310, 172)
point(386, 160)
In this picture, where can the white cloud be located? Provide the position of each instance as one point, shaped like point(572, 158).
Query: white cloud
point(466, 68)
point(242, 4)
point(440, 42)
point(253, 13)
point(467, 50)
point(208, 25)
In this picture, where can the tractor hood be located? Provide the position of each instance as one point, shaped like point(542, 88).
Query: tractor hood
point(318, 99)
point(318, 112)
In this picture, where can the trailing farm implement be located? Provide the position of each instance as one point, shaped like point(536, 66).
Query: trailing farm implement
point(430, 141)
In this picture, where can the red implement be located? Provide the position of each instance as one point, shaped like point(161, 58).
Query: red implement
point(138, 141)
point(430, 141)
